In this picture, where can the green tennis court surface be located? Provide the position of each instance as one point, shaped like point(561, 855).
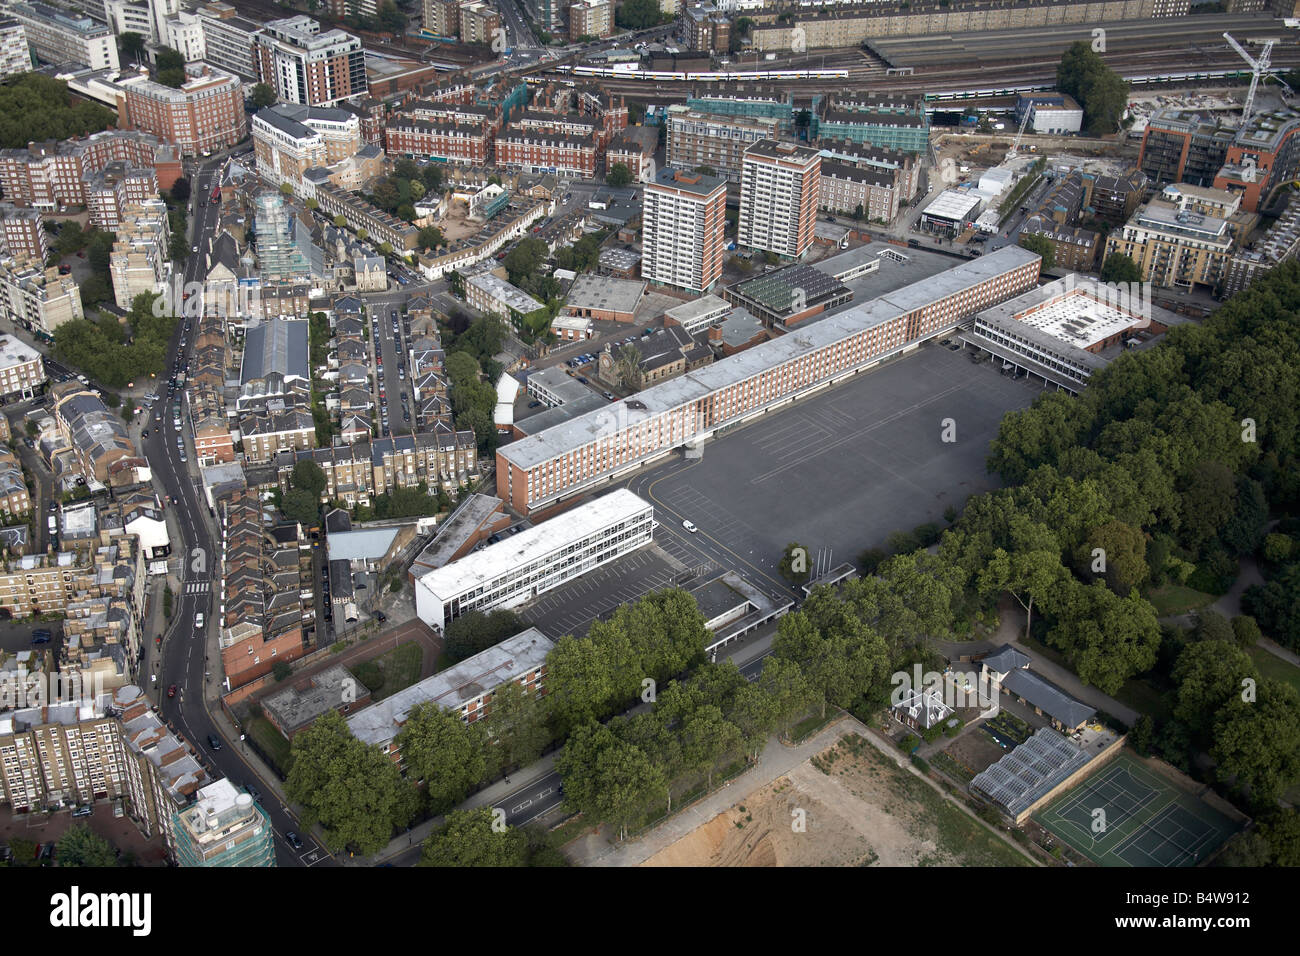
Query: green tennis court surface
point(1126, 815)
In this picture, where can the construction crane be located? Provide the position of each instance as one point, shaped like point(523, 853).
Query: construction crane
point(1258, 68)
point(1020, 134)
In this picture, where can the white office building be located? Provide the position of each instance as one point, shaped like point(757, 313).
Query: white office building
point(58, 36)
point(536, 560)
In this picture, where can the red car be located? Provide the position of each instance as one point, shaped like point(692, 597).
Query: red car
point(171, 691)
point(159, 640)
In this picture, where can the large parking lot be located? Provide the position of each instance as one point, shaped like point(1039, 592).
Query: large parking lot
point(839, 472)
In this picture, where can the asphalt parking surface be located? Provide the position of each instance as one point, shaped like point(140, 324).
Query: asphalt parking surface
point(839, 472)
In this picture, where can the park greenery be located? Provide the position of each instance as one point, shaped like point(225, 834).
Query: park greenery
point(638, 14)
point(406, 185)
point(36, 108)
point(1102, 93)
point(114, 353)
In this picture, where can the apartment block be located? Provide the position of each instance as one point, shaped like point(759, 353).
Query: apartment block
point(556, 465)
point(479, 23)
point(22, 234)
point(36, 584)
point(706, 28)
point(1179, 146)
point(1174, 247)
point(36, 298)
point(229, 40)
point(22, 369)
point(60, 36)
point(442, 17)
point(140, 260)
point(1279, 244)
point(460, 143)
point(289, 139)
point(307, 66)
point(895, 121)
point(109, 191)
point(635, 148)
point(779, 197)
point(223, 827)
point(15, 56)
point(717, 141)
point(96, 436)
point(465, 689)
point(591, 18)
point(683, 227)
point(204, 115)
point(52, 175)
point(359, 214)
point(538, 151)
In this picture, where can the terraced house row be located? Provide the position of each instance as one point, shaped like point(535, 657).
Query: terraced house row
point(545, 470)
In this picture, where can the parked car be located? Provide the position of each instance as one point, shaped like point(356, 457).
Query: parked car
point(293, 839)
point(171, 691)
point(690, 527)
point(214, 742)
point(83, 811)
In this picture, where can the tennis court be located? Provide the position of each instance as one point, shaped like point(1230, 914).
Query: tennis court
point(1126, 815)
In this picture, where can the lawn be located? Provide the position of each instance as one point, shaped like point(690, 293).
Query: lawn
point(1273, 666)
point(396, 670)
point(1174, 599)
point(272, 743)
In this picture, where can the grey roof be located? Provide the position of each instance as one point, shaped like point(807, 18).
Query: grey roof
point(605, 293)
point(1031, 771)
point(276, 346)
point(364, 544)
point(1006, 658)
point(1047, 697)
point(574, 432)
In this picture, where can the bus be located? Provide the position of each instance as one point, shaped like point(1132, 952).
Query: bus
point(216, 193)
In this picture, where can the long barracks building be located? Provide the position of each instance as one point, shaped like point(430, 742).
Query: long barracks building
point(548, 469)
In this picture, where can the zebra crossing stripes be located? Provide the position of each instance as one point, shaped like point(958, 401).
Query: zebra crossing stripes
point(198, 587)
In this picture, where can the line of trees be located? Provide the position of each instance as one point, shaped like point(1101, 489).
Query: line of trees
point(36, 108)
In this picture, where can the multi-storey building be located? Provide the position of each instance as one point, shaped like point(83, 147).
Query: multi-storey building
point(466, 689)
point(109, 191)
point(15, 56)
point(359, 214)
point(543, 471)
point(706, 28)
point(38, 299)
point(140, 260)
point(444, 142)
point(22, 234)
point(868, 191)
point(1280, 243)
point(306, 66)
point(897, 121)
point(267, 433)
point(22, 370)
point(265, 603)
point(61, 755)
point(779, 197)
point(869, 156)
point(705, 139)
point(58, 36)
point(850, 25)
point(537, 151)
point(684, 224)
point(442, 17)
point(285, 250)
point(289, 139)
point(535, 560)
point(635, 148)
point(35, 584)
point(205, 114)
point(1264, 155)
point(96, 436)
point(15, 500)
point(1179, 146)
point(1113, 198)
point(223, 827)
point(441, 458)
point(49, 175)
point(1175, 247)
point(1073, 247)
point(185, 36)
point(479, 23)
point(591, 18)
point(229, 40)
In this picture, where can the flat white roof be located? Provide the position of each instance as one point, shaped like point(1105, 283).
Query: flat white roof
point(472, 677)
point(531, 545)
point(501, 290)
point(953, 204)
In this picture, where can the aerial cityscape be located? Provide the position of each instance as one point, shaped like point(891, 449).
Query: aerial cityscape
point(769, 433)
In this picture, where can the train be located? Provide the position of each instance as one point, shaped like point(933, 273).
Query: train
point(651, 75)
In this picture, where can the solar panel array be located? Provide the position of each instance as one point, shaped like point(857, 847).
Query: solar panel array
point(1030, 772)
point(775, 291)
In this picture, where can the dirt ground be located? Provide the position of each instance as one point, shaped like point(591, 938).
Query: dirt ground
point(974, 750)
point(862, 810)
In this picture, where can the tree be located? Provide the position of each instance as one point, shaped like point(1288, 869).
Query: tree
point(35, 107)
point(1245, 631)
point(1257, 743)
point(1106, 638)
point(1207, 675)
point(474, 632)
point(308, 476)
point(1209, 499)
point(445, 753)
point(1027, 575)
point(181, 189)
point(81, 846)
point(1120, 268)
point(286, 189)
point(618, 175)
point(1083, 74)
point(1213, 626)
point(1119, 550)
point(782, 682)
point(606, 778)
point(637, 14)
point(1041, 245)
point(838, 654)
point(468, 838)
point(281, 670)
point(168, 59)
point(706, 170)
point(175, 78)
point(352, 790)
point(130, 46)
point(517, 723)
point(339, 222)
point(430, 237)
point(523, 261)
point(794, 564)
point(301, 506)
point(263, 95)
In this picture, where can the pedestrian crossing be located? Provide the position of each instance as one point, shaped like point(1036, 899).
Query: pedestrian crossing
point(198, 587)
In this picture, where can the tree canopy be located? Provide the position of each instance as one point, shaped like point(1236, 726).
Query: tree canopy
point(1083, 74)
point(35, 108)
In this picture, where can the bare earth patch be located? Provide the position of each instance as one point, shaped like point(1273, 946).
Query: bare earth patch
point(860, 810)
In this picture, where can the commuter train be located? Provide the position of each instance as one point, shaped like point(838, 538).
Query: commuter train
point(651, 75)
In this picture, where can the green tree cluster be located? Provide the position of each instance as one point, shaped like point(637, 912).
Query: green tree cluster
point(36, 108)
point(1084, 75)
point(475, 631)
point(104, 350)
